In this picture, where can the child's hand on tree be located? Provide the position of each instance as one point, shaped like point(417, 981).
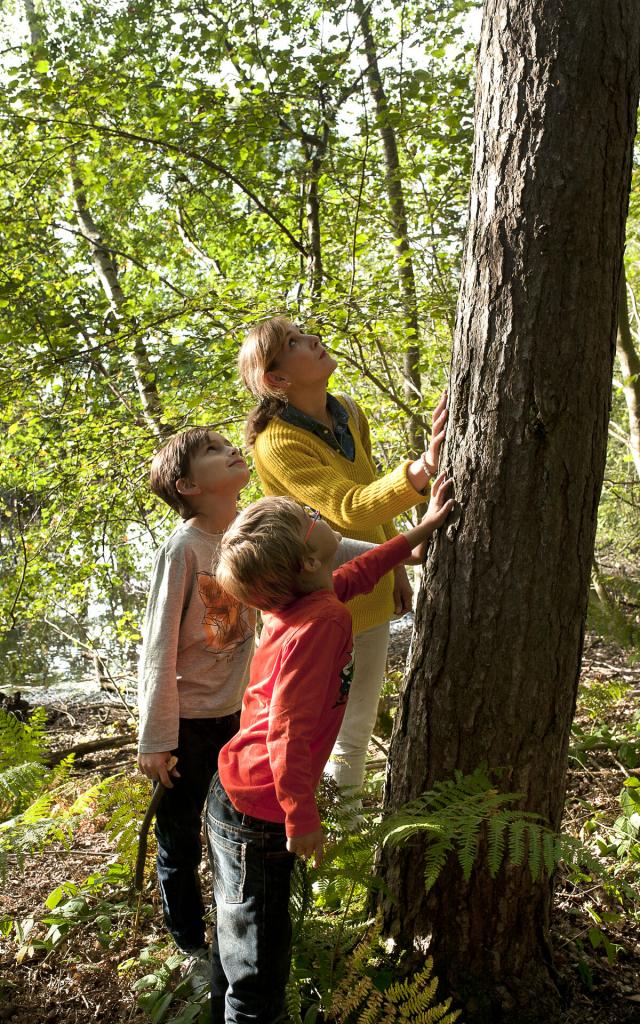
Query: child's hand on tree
point(310, 845)
point(440, 504)
point(439, 507)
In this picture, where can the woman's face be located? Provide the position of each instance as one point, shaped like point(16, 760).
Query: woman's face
point(302, 360)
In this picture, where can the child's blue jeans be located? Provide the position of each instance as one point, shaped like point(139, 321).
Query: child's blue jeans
point(252, 940)
point(179, 823)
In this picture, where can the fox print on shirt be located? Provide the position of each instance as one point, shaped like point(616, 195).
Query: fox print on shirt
point(226, 622)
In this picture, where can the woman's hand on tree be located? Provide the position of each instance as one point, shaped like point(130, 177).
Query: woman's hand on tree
point(438, 432)
point(420, 472)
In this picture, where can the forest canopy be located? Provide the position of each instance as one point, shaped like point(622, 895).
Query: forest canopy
point(172, 173)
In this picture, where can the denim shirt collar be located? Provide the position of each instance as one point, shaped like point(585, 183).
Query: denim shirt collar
point(341, 439)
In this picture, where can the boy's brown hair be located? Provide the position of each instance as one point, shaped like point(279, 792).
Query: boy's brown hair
point(261, 555)
point(172, 462)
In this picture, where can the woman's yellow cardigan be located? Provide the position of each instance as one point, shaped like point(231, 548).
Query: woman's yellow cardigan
point(292, 461)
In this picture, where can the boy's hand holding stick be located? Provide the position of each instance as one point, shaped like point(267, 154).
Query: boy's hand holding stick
point(159, 767)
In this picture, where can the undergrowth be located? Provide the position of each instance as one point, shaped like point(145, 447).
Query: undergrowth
point(342, 969)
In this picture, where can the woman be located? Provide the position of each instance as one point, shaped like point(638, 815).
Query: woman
point(315, 447)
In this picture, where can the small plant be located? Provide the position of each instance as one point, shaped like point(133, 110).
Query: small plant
point(367, 993)
point(625, 745)
point(163, 985)
point(30, 790)
point(450, 818)
point(597, 697)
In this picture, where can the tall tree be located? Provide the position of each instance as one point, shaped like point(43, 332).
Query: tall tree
point(500, 621)
point(399, 220)
point(630, 365)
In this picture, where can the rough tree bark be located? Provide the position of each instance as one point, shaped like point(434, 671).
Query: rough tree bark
point(500, 621)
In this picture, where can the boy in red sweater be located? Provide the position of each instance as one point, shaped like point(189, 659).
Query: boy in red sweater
point(261, 810)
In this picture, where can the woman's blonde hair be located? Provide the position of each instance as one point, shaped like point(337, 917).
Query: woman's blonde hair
point(261, 555)
point(260, 349)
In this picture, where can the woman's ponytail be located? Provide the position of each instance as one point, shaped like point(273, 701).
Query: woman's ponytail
point(261, 348)
point(260, 417)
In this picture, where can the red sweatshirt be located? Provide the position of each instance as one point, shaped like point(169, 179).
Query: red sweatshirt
point(296, 697)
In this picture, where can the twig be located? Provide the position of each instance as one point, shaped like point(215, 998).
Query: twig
point(90, 746)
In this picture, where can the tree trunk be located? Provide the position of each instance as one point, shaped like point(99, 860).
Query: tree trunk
point(630, 365)
point(106, 268)
point(398, 216)
point(494, 668)
point(315, 150)
point(107, 272)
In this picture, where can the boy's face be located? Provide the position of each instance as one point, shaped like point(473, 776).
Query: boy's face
point(319, 537)
point(217, 466)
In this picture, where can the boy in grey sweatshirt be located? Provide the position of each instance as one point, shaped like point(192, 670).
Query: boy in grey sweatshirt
point(197, 647)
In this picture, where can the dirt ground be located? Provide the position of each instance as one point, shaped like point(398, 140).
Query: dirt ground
point(73, 985)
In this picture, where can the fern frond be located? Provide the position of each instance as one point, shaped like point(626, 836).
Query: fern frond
point(454, 815)
point(550, 851)
point(535, 849)
point(468, 846)
point(293, 1001)
point(516, 841)
point(61, 772)
point(25, 838)
point(435, 857)
point(18, 785)
point(22, 741)
point(496, 841)
point(360, 1001)
point(124, 799)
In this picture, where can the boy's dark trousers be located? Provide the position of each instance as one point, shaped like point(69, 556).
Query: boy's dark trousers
point(178, 824)
point(251, 948)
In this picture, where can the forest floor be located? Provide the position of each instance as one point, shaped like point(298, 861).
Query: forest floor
point(81, 980)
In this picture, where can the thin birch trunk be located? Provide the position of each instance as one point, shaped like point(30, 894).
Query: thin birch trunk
point(399, 223)
point(630, 365)
point(315, 152)
point(106, 269)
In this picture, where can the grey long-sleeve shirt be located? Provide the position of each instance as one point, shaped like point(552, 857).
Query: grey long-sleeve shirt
point(197, 641)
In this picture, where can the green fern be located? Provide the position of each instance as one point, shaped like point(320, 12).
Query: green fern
point(22, 741)
point(293, 1001)
point(23, 748)
point(125, 800)
point(18, 783)
point(30, 833)
point(452, 816)
point(364, 995)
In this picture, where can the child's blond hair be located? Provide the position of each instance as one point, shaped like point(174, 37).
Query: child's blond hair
point(261, 555)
